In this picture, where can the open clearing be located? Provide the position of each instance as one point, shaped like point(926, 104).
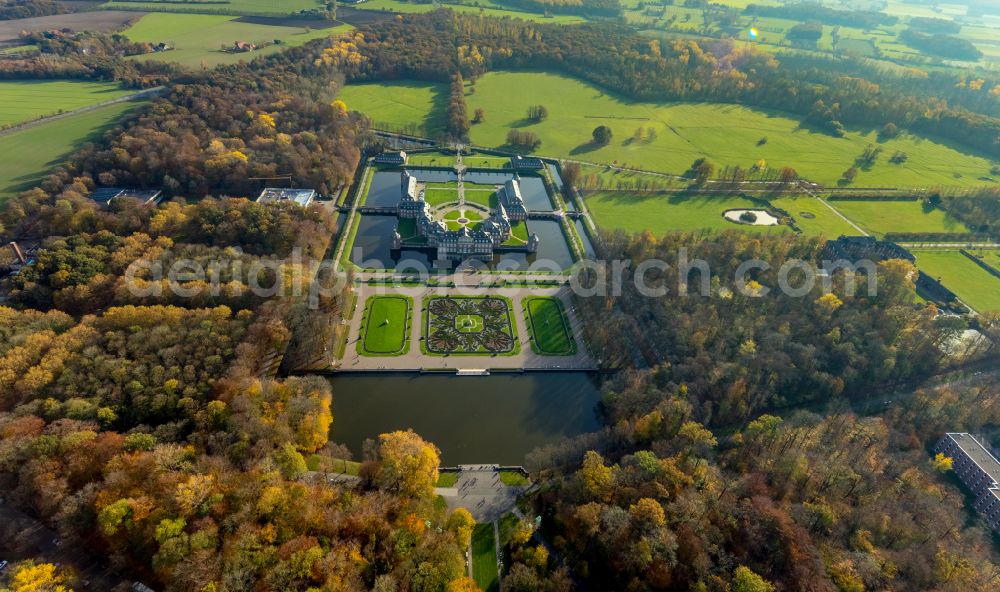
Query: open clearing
point(958, 273)
point(400, 104)
point(29, 154)
point(237, 7)
point(880, 217)
point(664, 212)
point(550, 331)
point(25, 100)
point(814, 218)
point(102, 21)
point(386, 329)
point(484, 558)
point(725, 134)
point(197, 39)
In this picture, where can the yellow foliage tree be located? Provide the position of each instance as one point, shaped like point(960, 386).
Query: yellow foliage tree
point(409, 464)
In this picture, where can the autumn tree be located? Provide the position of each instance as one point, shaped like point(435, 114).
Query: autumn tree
point(408, 464)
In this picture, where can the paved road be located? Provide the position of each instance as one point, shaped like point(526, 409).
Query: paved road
point(480, 491)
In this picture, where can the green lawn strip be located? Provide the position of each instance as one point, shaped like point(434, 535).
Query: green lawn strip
point(484, 558)
point(231, 7)
point(436, 159)
point(664, 212)
point(447, 479)
point(352, 233)
point(880, 217)
point(385, 329)
point(455, 329)
point(549, 325)
point(436, 197)
point(813, 217)
point(27, 100)
point(198, 39)
point(506, 526)
point(726, 134)
point(973, 284)
point(514, 479)
point(28, 155)
point(407, 106)
point(339, 466)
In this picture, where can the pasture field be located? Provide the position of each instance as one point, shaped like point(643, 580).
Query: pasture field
point(28, 154)
point(483, 7)
point(385, 329)
point(232, 7)
point(725, 134)
point(971, 283)
point(197, 39)
point(484, 558)
point(660, 213)
point(103, 21)
point(25, 100)
point(880, 217)
point(550, 332)
point(399, 104)
point(813, 217)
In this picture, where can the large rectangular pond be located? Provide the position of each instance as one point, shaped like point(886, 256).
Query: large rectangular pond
point(472, 419)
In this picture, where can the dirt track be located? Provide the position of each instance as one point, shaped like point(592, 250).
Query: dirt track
point(104, 21)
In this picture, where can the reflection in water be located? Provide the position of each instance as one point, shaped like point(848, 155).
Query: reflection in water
point(588, 247)
point(472, 419)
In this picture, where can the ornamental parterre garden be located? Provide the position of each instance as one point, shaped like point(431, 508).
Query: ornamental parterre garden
point(469, 325)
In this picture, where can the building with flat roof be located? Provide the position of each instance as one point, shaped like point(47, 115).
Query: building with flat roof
point(303, 197)
point(978, 469)
point(526, 162)
point(397, 157)
point(104, 195)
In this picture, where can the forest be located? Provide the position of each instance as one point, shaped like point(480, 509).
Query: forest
point(19, 9)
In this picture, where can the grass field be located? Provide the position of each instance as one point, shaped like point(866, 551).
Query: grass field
point(880, 217)
point(726, 134)
point(483, 7)
point(400, 103)
point(24, 100)
point(550, 332)
point(484, 558)
point(385, 329)
point(282, 8)
point(664, 212)
point(971, 283)
point(197, 38)
point(813, 217)
point(27, 155)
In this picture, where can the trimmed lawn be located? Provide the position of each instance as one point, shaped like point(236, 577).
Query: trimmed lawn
point(421, 106)
point(665, 212)
point(29, 154)
point(436, 197)
point(436, 159)
point(484, 558)
point(725, 134)
point(813, 217)
point(513, 479)
point(880, 217)
point(550, 331)
point(447, 479)
point(197, 39)
point(385, 330)
point(971, 283)
point(26, 100)
point(251, 7)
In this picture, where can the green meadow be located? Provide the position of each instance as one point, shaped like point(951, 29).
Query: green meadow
point(399, 104)
point(880, 217)
point(25, 100)
point(660, 213)
point(197, 39)
point(550, 333)
point(27, 155)
point(725, 134)
point(813, 217)
point(971, 283)
point(250, 7)
point(483, 7)
point(484, 558)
